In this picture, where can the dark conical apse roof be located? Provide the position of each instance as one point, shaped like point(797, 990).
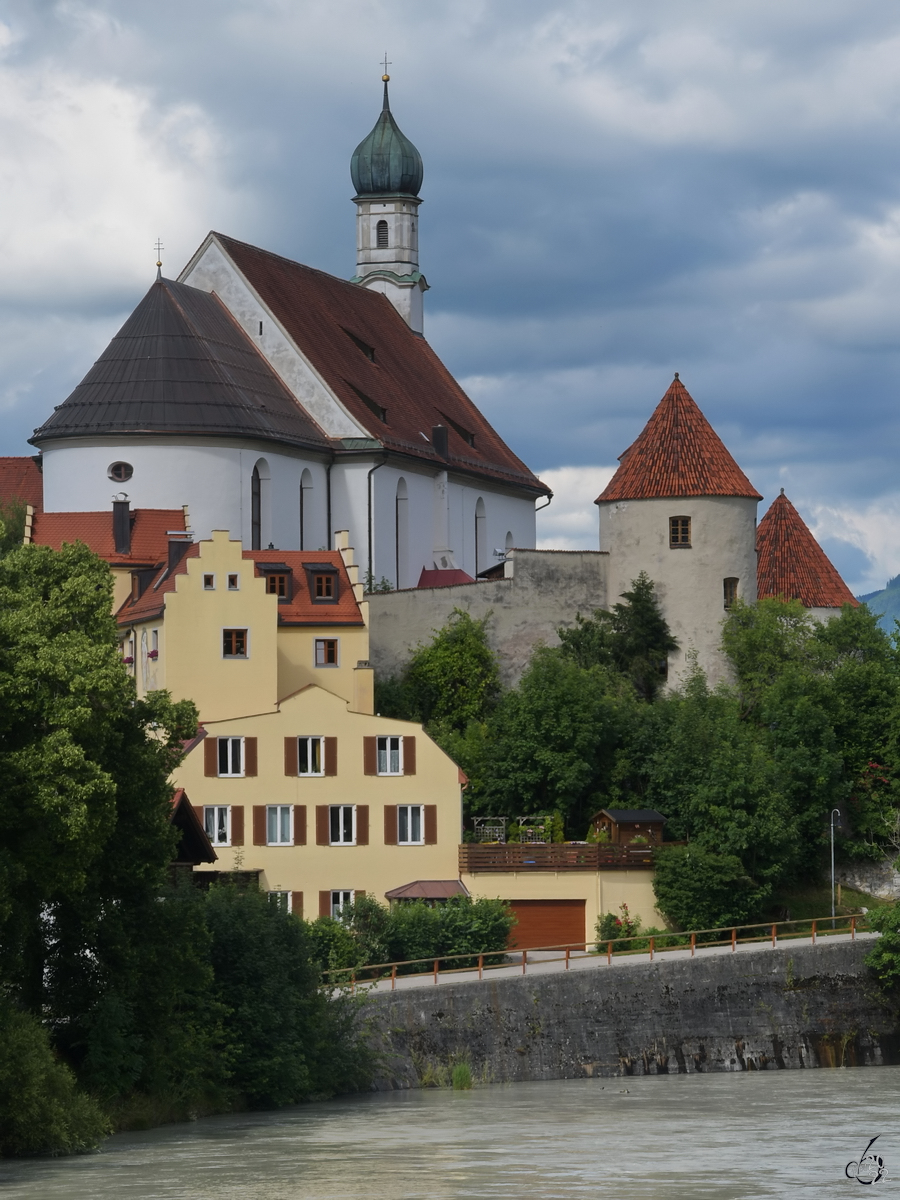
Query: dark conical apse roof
point(181, 364)
point(386, 162)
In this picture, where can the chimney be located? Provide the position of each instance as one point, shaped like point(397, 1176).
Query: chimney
point(439, 440)
point(177, 549)
point(122, 526)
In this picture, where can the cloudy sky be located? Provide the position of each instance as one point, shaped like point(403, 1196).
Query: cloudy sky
point(613, 191)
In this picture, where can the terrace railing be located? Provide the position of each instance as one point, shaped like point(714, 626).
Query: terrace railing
point(475, 857)
point(653, 945)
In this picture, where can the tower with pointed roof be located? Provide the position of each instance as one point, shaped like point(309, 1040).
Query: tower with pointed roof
point(680, 508)
point(791, 565)
point(387, 172)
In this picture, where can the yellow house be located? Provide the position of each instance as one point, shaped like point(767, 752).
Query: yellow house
point(293, 775)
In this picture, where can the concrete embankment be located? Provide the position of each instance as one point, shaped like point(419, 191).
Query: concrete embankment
point(797, 1006)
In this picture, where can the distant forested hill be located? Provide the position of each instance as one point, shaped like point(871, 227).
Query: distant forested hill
point(886, 603)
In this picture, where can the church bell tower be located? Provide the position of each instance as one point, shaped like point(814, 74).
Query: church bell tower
point(386, 170)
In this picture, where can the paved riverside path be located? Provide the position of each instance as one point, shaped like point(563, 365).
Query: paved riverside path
point(550, 962)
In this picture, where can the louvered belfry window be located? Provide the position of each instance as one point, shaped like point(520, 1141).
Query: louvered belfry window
point(381, 235)
point(679, 532)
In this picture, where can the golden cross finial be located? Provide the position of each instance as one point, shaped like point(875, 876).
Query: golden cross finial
point(159, 247)
point(387, 63)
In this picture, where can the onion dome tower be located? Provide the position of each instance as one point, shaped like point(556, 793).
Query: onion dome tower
point(386, 170)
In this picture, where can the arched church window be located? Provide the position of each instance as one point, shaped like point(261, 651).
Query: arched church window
point(120, 471)
point(401, 533)
point(480, 536)
point(381, 235)
point(509, 540)
point(260, 505)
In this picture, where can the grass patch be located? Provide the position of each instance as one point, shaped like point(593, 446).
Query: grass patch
point(805, 902)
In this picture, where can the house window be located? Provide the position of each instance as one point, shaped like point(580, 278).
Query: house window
point(326, 652)
point(340, 901)
point(309, 756)
point(128, 651)
point(209, 583)
point(278, 825)
point(231, 756)
point(679, 532)
point(410, 825)
point(381, 235)
point(343, 824)
point(234, 643)
point(234, 583)
point(730, 590)
point(323, 586)
point(281, 901)
point(135, 586)
point(217, 823)
point(277, 585)
point(154, 644)
point(390, 756)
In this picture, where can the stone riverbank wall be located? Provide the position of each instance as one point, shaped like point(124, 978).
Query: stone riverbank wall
point(798, 1006)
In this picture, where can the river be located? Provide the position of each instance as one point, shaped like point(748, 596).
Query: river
point(773, 1133)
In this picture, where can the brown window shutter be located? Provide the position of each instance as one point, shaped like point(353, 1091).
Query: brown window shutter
point(390, 824)
point(299, 824)
point(430, 824)
point(250, 756)
point(331, 756)
point(370, 756)
point(290, 756)
point(362, 824)
point(409, 756)
point(323, 831)
point(211, 756)
point(297, 904)
point(324, 904)
point(237, 825)
point(259, 825)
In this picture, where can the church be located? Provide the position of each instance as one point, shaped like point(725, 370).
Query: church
point(281, 403)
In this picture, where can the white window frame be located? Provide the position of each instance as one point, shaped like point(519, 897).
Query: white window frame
point(309, 739)
point(341, 840)
point(346, 897)
point(283, 899)
point(390, 737)
point(236, 585)
point(279, 809)
point(337, 653)
point(215, 809)
point(235, 657)
point(209, 581)
point(230, 774)
point(407, 809)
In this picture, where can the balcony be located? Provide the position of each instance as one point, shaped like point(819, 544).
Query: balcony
point(494, 857)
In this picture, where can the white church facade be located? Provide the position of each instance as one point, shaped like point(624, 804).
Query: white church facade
point(282, 403)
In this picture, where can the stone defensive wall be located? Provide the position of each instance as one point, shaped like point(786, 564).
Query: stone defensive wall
point(540, 591)
point(792, 1007)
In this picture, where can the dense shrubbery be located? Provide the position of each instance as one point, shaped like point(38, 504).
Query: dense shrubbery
point(371, 933)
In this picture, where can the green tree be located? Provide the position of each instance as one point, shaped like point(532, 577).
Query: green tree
point(633, 638)
point(701, 889)
point(12, 524)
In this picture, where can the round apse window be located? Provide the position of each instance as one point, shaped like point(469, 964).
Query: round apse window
point(120, 471)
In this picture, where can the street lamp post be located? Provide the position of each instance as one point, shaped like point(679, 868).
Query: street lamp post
point(833, 812)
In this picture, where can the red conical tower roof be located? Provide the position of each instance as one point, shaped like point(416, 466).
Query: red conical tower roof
point(792, 565)
point(677, 454)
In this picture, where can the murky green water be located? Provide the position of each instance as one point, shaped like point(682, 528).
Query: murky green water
point(786, 1133)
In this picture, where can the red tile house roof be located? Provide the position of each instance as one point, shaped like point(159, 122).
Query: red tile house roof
point(149, 533)
point(677, 454)
point(384, 374)
point(299, 608)
point(21, 479)
point(792, 565)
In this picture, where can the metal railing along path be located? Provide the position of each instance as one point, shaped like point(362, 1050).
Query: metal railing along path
point(565, 956)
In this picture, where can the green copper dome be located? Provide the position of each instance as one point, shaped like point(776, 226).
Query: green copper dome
point(386, 162)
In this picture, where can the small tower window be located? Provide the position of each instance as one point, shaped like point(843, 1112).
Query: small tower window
point(730, 590)
point(381, 235)
point(679, 532)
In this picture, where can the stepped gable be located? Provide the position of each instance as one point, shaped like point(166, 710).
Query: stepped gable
point(386, 376)
point(182, 365)
point(21, 479)
point(792, 565)
point(150, 529)
point(677, 454)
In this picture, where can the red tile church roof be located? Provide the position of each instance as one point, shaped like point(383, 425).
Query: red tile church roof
point(792, 565)
point(376, 364)
point(677, 454)
point(21, 479)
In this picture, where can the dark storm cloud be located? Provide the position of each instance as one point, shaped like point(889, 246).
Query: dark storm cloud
point(612, 192)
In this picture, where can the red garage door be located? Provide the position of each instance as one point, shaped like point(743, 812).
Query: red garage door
point(546, 923)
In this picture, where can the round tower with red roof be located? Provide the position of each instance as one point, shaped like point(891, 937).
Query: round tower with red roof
point(680, 508)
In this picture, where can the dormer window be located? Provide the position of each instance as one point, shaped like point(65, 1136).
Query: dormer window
point(323, 583)
point(324, 587)
point(277, 585)
point(381, 235)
